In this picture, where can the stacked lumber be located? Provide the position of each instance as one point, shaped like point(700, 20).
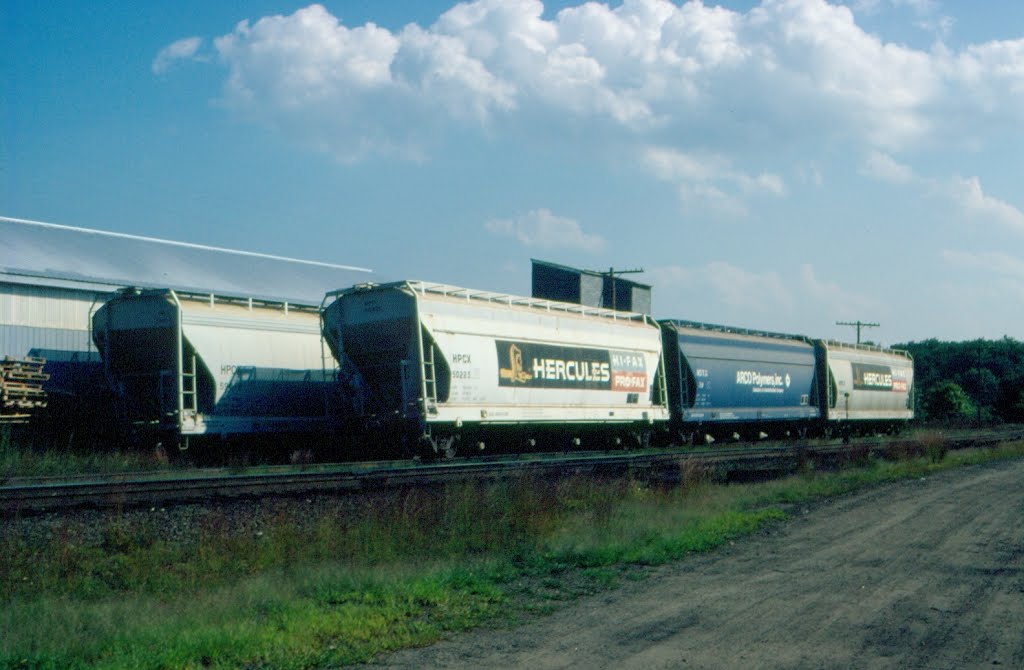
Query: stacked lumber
point(21, 388)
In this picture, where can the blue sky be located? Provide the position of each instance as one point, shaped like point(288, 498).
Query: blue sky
point(779, 164)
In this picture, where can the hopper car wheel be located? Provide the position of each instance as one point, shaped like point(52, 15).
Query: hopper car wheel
point(430, 449)
point(446, 447)
point(640, 439)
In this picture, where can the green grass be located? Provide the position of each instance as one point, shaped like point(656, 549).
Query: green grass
point(21, 457)
point(376, 573)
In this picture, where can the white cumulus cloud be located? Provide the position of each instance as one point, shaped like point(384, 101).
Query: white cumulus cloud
point(884, 167)
point(709, 179)
point(739, 296)
point(965, 193)
point(704, 84)
point(735, 290)
point(983, 208)
point(540, 228)
point(183, 49)
point(784, 71)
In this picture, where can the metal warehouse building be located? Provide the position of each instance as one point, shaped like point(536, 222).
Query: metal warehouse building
point(561, 283)
point(53, 277)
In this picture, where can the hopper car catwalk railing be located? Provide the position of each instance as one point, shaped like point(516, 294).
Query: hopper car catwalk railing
point(425, 288)
point(35, 495)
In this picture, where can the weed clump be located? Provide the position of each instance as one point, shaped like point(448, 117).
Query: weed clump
point(933, 444)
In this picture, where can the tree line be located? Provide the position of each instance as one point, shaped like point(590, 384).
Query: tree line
point(960, 382)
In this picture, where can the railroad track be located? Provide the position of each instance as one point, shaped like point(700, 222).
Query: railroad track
point(35, 495)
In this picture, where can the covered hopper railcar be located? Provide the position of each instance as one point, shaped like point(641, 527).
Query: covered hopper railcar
point(734, 383)
point(185, 365)
point(445, 368)
point(866, 388)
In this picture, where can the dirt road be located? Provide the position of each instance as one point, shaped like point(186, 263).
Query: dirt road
point(923, 574)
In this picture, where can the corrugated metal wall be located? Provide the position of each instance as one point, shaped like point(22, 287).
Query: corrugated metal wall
point(641, 299)
point(591, 287)
point(21, 341)
point(40, 317)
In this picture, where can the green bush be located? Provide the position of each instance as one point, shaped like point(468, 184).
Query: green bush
point(946, 401)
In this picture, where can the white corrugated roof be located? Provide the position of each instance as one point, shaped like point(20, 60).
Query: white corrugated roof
point(41, 253)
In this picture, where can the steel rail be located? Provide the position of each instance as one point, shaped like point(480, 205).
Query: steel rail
point(18, 496)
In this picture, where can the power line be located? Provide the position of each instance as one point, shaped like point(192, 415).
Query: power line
point(859, 325)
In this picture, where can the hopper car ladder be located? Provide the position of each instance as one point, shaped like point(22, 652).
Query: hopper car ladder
point(429, 376)
point(188, 388)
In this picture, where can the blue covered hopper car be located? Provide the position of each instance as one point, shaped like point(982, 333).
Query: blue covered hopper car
point(741, 384)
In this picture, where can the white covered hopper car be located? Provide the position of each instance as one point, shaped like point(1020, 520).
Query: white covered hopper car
point(445, 368)
point(867, 388)
point(185, 364)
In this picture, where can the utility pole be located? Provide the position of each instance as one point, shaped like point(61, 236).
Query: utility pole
point(611, 274)
point(859, 325)
point(978, 401)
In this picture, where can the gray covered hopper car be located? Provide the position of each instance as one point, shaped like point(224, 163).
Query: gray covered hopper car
point(867, 388)
point(185, 365)
point(448, 368)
